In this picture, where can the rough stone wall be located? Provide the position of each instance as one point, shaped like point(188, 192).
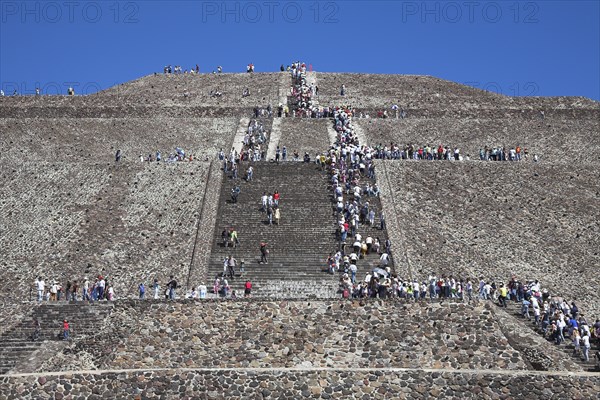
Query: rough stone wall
point(296, 384)
point(151, 112)
point(205, 228)
point(319, 333)
point(368, 91)
point(429, 95)
point(395, 227)
point(304, 135)
point(65, 221)
point(88, 107)
point(97, 139)
point(168, 90)
point(545, 138)
point(12, 312)
point(473, 219)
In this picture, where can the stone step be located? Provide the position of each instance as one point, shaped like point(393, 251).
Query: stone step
point(566, 347)
point(15, 344)
point(299, 248)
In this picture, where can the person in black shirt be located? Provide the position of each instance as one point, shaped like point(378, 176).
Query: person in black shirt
point(172, 285)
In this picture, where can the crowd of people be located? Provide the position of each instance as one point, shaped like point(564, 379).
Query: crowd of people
point(395, 151)
point(87, 290)
point(255, 140)
point(271, 207)
point(353, 184)
point(556, 318)
point(303, 93)
point(416, 152)
point(348, 163)
point(176, 156)
point(513, 153)
point(97, 289)
point(221, 288)
point(177, 69)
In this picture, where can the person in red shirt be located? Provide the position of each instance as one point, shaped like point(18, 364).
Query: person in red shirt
point(276, 198)
point(65, 330)
point(247, 289)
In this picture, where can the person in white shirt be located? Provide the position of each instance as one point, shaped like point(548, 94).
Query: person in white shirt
point(54, 291)
point(357, 193)
point(263, 201)
point(487, 289)
point(40, 286)
point(585, 345)
point(385, 259)
point(101, 287)
point(356, 246)
point(369, 242)
point(111, 293)
point(534, 302)
point(202, 291)
point(416, 288)
point(86, 289)
point(560, 326)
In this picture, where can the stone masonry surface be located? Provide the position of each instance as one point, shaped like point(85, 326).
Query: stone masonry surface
point(97, 139)
point(473, 219)
point(427, 95)
point(545, 138)
point(312, 333)
point(297, 384)
point(68, 211)
point(67, 221)
point(304, 135)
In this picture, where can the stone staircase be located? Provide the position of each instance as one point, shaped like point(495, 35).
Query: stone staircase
point(566, 348)
point(267, 124)
point(298, 246)
point(17, 346)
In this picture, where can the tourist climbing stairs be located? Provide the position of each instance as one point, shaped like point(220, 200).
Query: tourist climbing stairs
point(298, 246)
point(17, 344)
point(565, 347)
point(267, 124)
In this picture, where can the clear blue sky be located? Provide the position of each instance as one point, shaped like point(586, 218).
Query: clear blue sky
point(545, 48)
